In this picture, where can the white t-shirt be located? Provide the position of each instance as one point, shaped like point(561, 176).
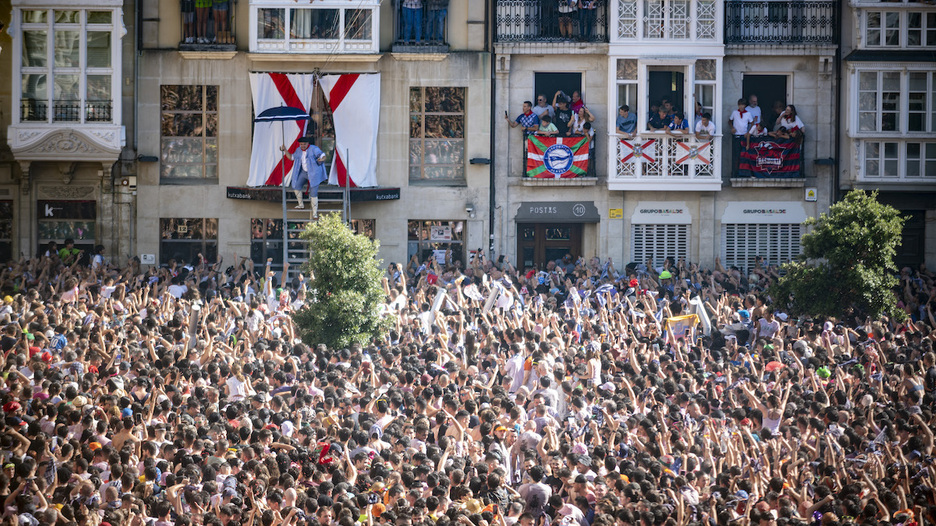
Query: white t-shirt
point(177, 290)
point(544, 110)
point(755, 112)
point(237, 388)
point(710, 129)
point(740, 122)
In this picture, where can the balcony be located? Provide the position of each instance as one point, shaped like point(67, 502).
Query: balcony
point(810, 22)
point(420, 31)
point(325, 27)
point(66, 111)
point(656, 161)
point(667, 21)
point(207, 30)
point(533, 23)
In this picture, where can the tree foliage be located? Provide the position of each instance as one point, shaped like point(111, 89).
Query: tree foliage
point(342, 306)
point(847, 261)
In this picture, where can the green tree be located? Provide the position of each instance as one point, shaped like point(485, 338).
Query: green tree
point(847, 262)
point(345, 293)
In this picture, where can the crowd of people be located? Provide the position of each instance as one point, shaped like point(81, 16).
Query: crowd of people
point(183, 395)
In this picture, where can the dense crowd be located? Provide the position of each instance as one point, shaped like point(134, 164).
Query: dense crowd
point(182, 395)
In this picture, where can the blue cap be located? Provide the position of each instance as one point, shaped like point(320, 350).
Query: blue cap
point(126, 412)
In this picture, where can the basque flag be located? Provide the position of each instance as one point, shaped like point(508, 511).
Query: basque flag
point(557, 157)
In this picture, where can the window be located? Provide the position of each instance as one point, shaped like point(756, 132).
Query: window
point(326, 26)
point(900, 102)
point(437, 135)
point(666, 19)
point(627, 84)
point(910, 29)
point(658, 242)
point(184, 238)
point(742, 244)
point(705, 76)
point(189, 133)
point(6, 230)
point(66, 67)
point(61, 220)
point(904, 160)
point(429, 239)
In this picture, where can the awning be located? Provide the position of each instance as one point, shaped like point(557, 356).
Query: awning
point(326, 192)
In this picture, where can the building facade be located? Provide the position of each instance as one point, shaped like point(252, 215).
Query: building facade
point(130, 124)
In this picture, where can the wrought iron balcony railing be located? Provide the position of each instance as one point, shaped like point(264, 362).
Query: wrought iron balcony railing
point(423, 30)
point(780, 22)
point(66, 111)
point(541, 21)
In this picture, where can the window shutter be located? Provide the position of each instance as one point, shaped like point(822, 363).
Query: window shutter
point(659, 242)
point(743, 243)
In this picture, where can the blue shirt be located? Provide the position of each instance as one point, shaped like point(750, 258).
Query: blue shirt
point(627, 124)
point(528, 121)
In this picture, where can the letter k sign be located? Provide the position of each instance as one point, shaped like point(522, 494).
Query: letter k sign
point(49, 211)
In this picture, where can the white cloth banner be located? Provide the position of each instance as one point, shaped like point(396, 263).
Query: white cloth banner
point(355, 103)
point(270, 90)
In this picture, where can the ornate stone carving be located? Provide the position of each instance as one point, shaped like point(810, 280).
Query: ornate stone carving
point(66, 142)
point(66, 192)
point(105, 135)
point(79, 143)
point(25, 136)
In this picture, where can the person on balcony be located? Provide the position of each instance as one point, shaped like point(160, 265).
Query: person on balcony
point(791, 122)
point(222, 32)
point(705, 128)
point(527, 120)
point(563, 112)
point(542, 108)
point(202, 7)
point(577, 101)
point(188, 20)
point(754, 108)
point(588, 10)
point(757, 132)
point(579, 120)
point(678, 126)
point(567, 10)
point(438, 10)
point(626, 122)
point(660, 121)
point(741, 121)
point(412, 20)
point(546, 127)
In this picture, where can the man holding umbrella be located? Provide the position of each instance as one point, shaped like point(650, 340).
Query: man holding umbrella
point(308, 168)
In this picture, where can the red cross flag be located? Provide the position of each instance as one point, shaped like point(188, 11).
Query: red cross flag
point(638, 152)
point(694, 153)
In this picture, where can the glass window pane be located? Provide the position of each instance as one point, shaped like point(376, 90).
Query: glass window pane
point(874, 19)
point(310, 24)
point(891, 81)
point(99, 87)
point(211, 98)
point(270, 24)
point(627, 69)
point(917, 81)
point(358, 24)
point(35, 16)
point(99, 17)
point(211, 151)
point(35, 87)
point(99, 49)
point(66, 17)
point(66, 87)
point(35, 49)
point(182, 151)
point(867, 121)
point(67, 48)
point(892, 20)
point(181, 125)
point(867, 101)
point(867, 80)
point(890, 150)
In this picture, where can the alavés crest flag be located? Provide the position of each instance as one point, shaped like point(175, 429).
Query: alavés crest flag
point(270, 90)
point(354, 100)
point(557, 157)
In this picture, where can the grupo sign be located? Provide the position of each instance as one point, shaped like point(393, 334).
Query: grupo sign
point(764, 212)
point(661, 213)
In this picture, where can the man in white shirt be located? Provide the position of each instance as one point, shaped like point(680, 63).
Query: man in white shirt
point(753, 108)
point(542, 108)
point(705, 128)
point(741, 121)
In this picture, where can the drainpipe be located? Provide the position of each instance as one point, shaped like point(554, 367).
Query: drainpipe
point(489, 13)
point(836, 163)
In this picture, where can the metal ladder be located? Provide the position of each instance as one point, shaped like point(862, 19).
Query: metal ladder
point(332, 200)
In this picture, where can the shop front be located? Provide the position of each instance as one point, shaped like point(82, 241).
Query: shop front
point(761, 233)
point(550, 230)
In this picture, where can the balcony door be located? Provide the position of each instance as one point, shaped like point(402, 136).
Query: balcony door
point(769, 89)
point(540, 243)
point(668, 84)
